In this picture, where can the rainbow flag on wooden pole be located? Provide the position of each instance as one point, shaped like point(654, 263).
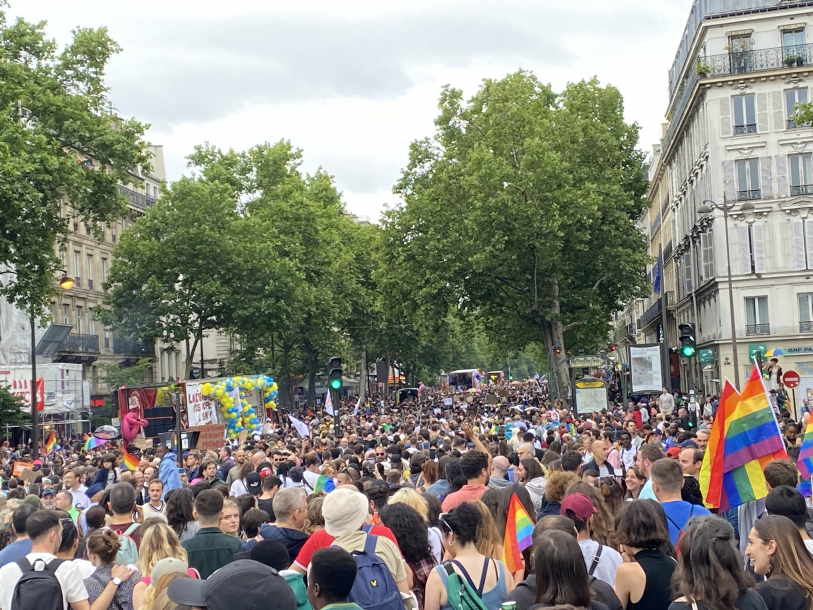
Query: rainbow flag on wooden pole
point(50, 444)
point(744, 439)
point(519, 531)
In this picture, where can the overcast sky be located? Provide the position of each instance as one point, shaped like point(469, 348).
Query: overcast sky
point(353, 83)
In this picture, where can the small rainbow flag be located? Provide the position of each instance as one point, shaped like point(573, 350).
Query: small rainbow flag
point(50, 444)
point(85, 436)
point(519, 531)
point(130, 461)
point(805, 488)
point(805, 462)
point(324, 483)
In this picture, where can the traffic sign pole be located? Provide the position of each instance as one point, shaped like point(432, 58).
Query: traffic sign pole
point(791, 380)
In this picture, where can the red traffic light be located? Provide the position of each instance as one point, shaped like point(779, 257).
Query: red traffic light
point(557, 350)
point(613, 347)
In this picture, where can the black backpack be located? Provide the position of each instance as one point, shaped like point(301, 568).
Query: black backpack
point(38, 589)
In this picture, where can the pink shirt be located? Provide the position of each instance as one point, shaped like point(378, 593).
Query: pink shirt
point(467, 493)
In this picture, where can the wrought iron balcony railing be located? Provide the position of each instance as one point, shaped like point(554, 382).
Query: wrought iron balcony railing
point(749, 195)
point(794, 125)
point(137, 199)
point(801, 189)
point(758, 329)
point(135, 348)
point(86, 344)
point(743, 129)
point(806, 327)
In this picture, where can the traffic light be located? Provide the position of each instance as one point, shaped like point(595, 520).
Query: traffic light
point(613, 347)
point(688, 345)
point(334, 373)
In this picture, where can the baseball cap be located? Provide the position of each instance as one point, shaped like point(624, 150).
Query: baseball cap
point(48, 492)
point(578, 504)
point(253, 583)
point(168, 565)
point(265, 472)
point(254, 483)
point(37, 463)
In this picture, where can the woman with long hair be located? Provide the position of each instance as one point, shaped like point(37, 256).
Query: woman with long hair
point(180, 515)
point(533, 479)
point(603, 529)
point(420, 503)
point(102, 547)
point(561, 574)
point(635, 481)
point(613, 494)
point(314, 521)
point(158, 542)
point(489, 542)
point(642, 581)
point(238, 488)
point(230, 518)
point(709, 574)
point(493, 581)
point(776, 549)
point(428, 476)
point(410, 531)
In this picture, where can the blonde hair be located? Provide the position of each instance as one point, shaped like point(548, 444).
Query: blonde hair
point(412, 498)
point(158, 542)
point(487, 538)
point(156, 598)
point(314, 520)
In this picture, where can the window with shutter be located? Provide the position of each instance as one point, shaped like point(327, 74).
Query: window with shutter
point(745, 250)
point(758, 243)
point(748, 179)
point(728, 181)
point(725, 117)
point(777, 111)
point(782, 185)
point(792, 98)
point(745, 114)
point(809, 241)
point(687, 273)
point(799, 262)
point(766, 177)
point(806, 313)
point(762, 112)
point(801, 174)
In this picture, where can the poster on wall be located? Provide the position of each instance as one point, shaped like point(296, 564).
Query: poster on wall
point(645, 368)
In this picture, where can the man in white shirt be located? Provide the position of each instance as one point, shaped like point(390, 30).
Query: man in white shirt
point(71, 479)
point(156, 507)
point(311, 473)
point(45, 531)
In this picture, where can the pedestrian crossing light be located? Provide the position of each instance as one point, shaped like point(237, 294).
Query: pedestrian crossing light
point(688, 344)
point(334, 373)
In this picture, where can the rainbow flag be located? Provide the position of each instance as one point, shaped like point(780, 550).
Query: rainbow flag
point(746, 440)
point(130, 461)
point(805, 488)
point(805, 462)
point(571, 429)
point(50, 444)
point(324, 483)
point(85, 436)
point(519, 530)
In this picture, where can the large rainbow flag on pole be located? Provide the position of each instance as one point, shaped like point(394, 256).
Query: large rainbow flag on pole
point(50, 444)
point(519, 531)
point(744, 439)
point(130, 461)
point(805, 463)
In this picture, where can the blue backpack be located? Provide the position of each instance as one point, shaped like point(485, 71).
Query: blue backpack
point(374, 587)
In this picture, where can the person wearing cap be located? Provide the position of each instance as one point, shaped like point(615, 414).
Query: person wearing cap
point(331, 578)
point(601, 561)
point(243, 584)
point(254, 483)
point(144, 591)
point(345, 512)
point(49, 499)
point(210, 549)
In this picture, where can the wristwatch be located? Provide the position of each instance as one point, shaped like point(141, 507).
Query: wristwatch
point(117, 581)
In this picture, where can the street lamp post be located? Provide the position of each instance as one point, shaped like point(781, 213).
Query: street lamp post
point(704, 209)
point(66, 283)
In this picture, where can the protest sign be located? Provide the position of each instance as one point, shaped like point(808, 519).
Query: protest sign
point(20, 467)
point(200, 409)
point(211, 436)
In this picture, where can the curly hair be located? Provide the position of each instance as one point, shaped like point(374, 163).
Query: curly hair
point(558, 482)
point(410, 531)
point(603, 530)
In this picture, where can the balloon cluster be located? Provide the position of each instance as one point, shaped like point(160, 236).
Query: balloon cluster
point(238, 413)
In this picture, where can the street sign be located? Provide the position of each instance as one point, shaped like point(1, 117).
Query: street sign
point(589, 384)
point(753, 348)
point(584, 361)
point(706, 356)
point(791, 379)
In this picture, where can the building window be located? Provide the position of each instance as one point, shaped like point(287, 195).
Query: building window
point(793, 47)
point(65, 315)
point(756, 316)
point(104, 270)
point(77, 270)
point(91, 322)
point(740, 48)
point(793, 97)
point(107, 339)
point(806, 313)
point(90, 270)
point(801, 174)
point(79, 320)
point(745, 117)
point(748, 179)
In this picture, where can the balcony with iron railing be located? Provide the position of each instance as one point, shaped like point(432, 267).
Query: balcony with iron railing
point(132, 348)
point(137, 199)
point(806, 327)
point(801, 189)
point(734, 64)
point(758, 329)
point(78, 343)
point(749, 195)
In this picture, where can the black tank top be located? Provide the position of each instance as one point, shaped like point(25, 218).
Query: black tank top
point(658, 591)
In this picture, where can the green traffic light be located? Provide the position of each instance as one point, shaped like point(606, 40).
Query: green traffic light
point(336, 384)
point(687, 350)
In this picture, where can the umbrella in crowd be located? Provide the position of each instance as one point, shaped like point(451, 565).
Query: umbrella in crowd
point(106, 433)
point(773, 353)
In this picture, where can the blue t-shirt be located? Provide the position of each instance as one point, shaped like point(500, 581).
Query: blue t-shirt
point(678, 514)
point(16, 550)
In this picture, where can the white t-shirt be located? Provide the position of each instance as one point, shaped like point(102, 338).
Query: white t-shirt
point(607, 564)
point(310, 478)
point(68, 574)
point(150, 511)
point(809, 545)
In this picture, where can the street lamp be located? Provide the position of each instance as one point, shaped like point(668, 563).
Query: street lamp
point(66, 283)
point(705, 209)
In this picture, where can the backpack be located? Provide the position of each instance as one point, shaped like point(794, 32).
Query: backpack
point(374, 587)
point(296, 581)
point(128, 551)
point(37, 589)
point(460, 594)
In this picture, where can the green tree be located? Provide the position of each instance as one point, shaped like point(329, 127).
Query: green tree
point(171, 276)
point(11, 409)
point(116, 376)
point(61, 142)
point(520, 212)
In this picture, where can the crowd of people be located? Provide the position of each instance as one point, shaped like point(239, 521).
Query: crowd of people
point(411, 506)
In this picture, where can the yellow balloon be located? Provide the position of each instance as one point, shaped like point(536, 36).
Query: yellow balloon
point(271, 405)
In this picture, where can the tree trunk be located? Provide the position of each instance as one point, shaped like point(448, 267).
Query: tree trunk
point(387, 379)
point(554, 335)
point(190, 357)
point(313, 365)
point(363, 377)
